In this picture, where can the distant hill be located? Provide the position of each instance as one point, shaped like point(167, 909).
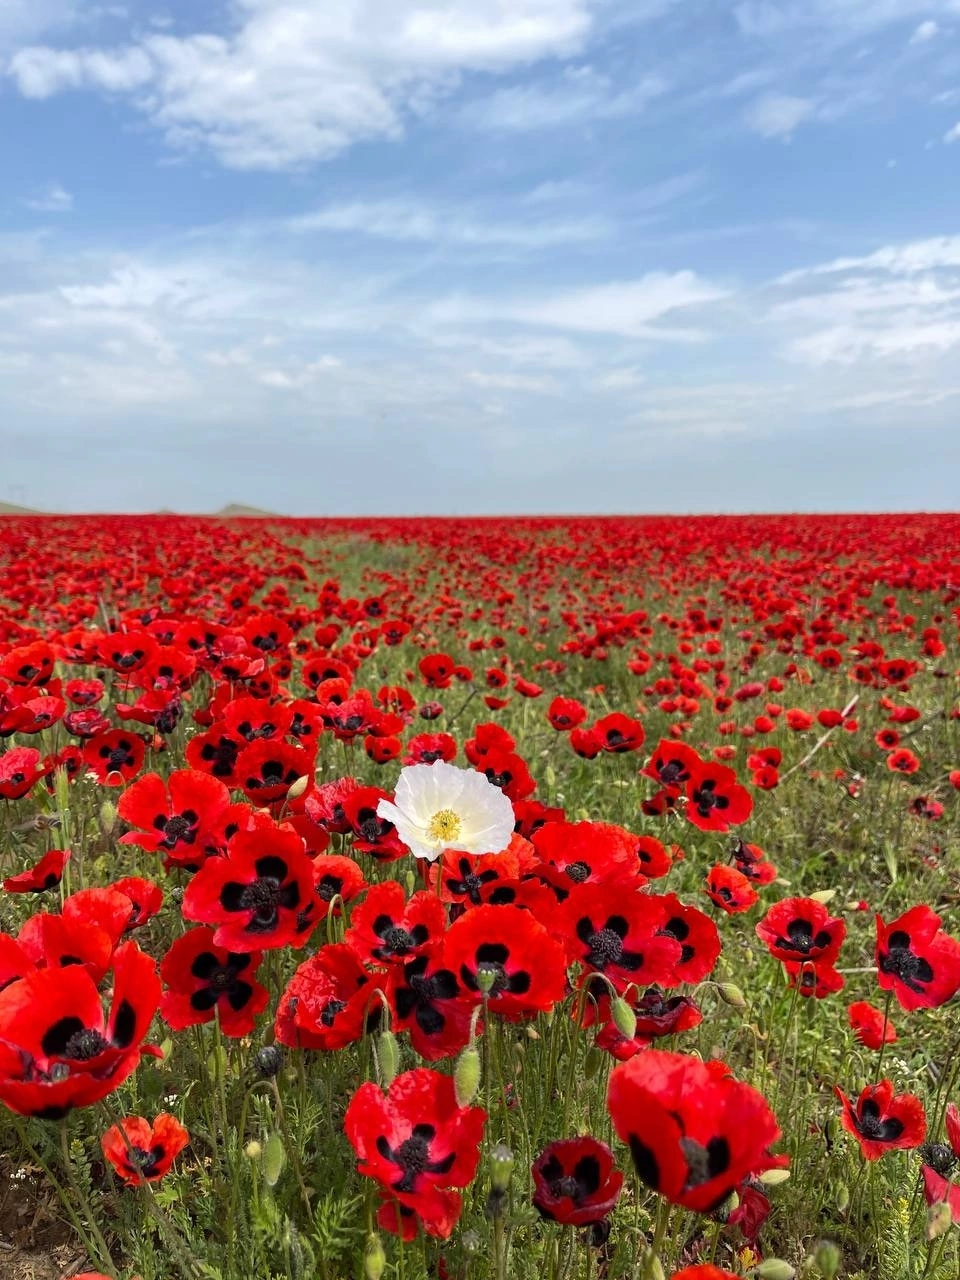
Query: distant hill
point(237, 511)
point(11, 509)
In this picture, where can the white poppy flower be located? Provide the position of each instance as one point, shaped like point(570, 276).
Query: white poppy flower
point(438, 806)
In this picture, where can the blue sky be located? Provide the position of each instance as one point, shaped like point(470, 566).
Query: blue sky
point(367, 256)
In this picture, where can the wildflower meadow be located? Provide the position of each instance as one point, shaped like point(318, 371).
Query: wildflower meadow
point(572, 899)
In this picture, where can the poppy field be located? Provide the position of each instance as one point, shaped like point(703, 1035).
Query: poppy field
point(480, 898)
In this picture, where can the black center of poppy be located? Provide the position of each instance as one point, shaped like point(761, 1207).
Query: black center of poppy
point(181, 827)
point(912, 970)
point(578, 872)
point(398, 941)
point(412, 1156)
point(84, 1045)
point(606, 947)
point(704, 1162)
point(874, 1127)
point(330, 1011)
point(145, 1161)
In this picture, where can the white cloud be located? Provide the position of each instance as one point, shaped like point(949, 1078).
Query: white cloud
point(953, 135)
point(777, 115)
point(411, 220)
point(55, 199)
point(41, 72)
point(924, 32)
point(298, 82)
point(898, 259)
point(579, 96)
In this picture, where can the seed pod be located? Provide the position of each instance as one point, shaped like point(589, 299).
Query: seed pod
point(466, 1076)
point(501, 1167)
point(485, 980)
point(268, 1061)
point(274, 1158)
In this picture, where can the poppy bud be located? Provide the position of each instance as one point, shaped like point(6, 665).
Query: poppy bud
point(268, 1061)
point(388, 1058)
point(550, 776)
point(823, 895)
point(774, 1177)
point(410, 881)
point(470, 1243)
point(592, 1063)
point(939, 1218)
point(296, 789)
point(624, 1019)
point(827, 1257)
point(731, 994)
point(531, 1032)
point(843, 1198)
point(774, 1269)
point(651, 1268)
point(466, 1076)
point(501, 1167)
point(374, 1258)
point(108, 817)
point(274, 1158)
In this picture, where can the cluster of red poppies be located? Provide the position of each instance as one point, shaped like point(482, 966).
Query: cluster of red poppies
point(211, 677)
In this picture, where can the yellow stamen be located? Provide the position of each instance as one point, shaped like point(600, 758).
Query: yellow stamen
point(444, 827)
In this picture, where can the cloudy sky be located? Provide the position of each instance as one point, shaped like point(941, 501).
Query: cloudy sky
point(359, 256)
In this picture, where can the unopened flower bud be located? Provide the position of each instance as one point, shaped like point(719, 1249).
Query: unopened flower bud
point(774, 1177)
point(274, 1158)
point(651, 1268)
point(296, 789)
point(409, 881)
point(592, 1063)
point(374, 1258)
point(466, 1076)
point(624, 1019)
point(824, 896)
point(731, 994)
point(108, 817)
point(774, 1269)
point(939, 1219)
point(843, 1198)
point(388, 1058)
point(827, 1257)
point(501, 1167)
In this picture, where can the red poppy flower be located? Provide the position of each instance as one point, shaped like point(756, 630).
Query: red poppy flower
point(114, 757)
point(752, 1211)
point(938, 1190)
point(30, 666)
point(813, 978)
point(505, 955)
point(143, 1152)
point(869, 1025)
point(916, 960)
point(695, 1133)
point(703, 1271)
point(324, 805)
point(672, 765)
point(509, 772)
point(882, 1121)
point(371, 833)
point(699, 938)
point(588, 852)
point(20, 771)
point(425, 748)
point(715, 799)
point(437, 670)
point(336, 876)
point(260, 895)
point(266, 770)
point(565, 714)
point(416, 1142)
point(468, 880)
point(618, 732)
point(145, 897)
point(58, 1049)
point(730, 889)
point(204, 981)
point(427, 999)
point(215, 752)
point(903, 761)
point(619, 933)
point(656, 1016)
point(329, 1002)
point(576, 1182)
point(387, 929)
point(586, 743)
point(44, 874)
point(175, 817)
point(802, 929)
